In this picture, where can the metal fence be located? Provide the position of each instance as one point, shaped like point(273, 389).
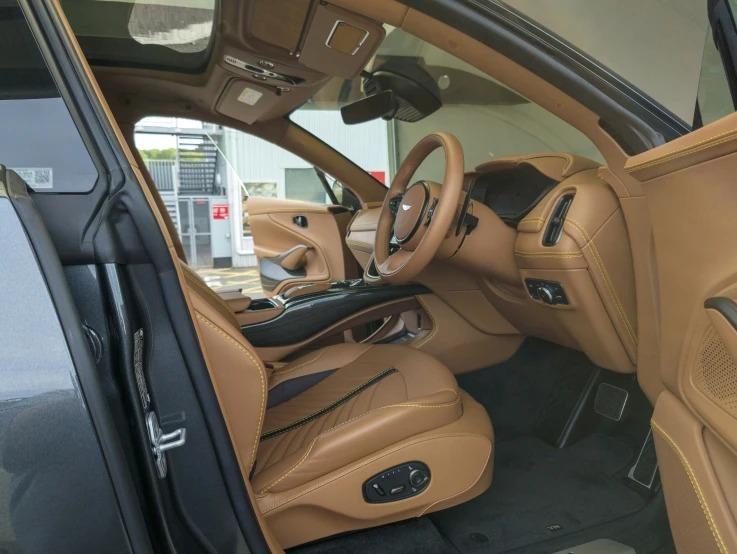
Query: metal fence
point(162, 172)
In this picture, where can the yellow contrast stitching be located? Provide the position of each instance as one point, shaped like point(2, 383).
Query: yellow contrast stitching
point(337, 402)
point(446, 405)
point(302, 364)
point(289, 211)
point(371, 460)
point(694, 483)
point(618, 303)
point(649, 162)
point(684, 154)
point(209, 291)
point(551, 254)
point(547, 253)
point(358, 243)
point(481, 473)
point(434, 325)
point(294, 467)
point(273, 483)
point(532, 219)
point(607, 281)
point(261, 375)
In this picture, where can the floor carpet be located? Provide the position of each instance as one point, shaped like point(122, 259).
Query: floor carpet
point(415, 536)
point(540, 492)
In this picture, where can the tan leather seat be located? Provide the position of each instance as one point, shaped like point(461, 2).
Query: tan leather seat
point(370, 397)
point(309, 433)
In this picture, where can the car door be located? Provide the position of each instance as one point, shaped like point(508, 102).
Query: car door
point(66, 484)
point(299, 242)
point(687, 189)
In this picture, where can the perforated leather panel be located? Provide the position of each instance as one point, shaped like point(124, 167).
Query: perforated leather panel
point(715, 372)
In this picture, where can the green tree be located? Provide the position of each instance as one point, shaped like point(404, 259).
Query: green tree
point(156, 154)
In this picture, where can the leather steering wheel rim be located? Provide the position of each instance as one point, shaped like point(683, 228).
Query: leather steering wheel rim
point(407, 262)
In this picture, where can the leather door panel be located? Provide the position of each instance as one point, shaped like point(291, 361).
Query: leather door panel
point(689, 188)
point(299, 242)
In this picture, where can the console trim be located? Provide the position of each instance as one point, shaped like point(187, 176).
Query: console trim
point(307, 315)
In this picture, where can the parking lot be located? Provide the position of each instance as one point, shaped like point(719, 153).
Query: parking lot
point(245, 277)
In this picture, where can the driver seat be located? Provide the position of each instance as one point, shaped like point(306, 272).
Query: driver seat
point(309, 434)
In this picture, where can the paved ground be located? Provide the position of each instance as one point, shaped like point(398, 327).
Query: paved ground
point(245, 277)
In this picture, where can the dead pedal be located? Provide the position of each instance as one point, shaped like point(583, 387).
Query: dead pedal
point(610, 401)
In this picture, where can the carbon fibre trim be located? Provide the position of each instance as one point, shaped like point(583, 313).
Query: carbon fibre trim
point(342, 400)
point(307, 315)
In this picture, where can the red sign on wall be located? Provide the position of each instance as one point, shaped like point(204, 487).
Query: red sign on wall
point(220, 211)
point(379, 176)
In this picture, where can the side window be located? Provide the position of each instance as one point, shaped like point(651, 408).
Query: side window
point(715, 98)
point(39, 140)
point(206, 173)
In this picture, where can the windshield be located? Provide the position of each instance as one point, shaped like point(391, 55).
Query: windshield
point(657, 46)
point(489, 119)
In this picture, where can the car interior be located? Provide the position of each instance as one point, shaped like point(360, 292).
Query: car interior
point(532, 352)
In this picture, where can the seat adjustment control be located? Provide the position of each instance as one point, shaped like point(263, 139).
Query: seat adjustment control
point(417, 477)
point(547, 292)
point(402, 481)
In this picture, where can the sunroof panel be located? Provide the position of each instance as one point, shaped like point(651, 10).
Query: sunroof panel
point(170, 35)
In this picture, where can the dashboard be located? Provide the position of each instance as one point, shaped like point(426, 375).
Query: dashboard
point(510, 193)
point(550, 254)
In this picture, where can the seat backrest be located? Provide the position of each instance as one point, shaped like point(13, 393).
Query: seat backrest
point(237, 373)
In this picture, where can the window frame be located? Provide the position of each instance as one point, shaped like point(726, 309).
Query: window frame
point(57, 73)
point(724, 35)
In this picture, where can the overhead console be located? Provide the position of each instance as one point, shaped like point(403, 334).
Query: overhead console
point(292, 48)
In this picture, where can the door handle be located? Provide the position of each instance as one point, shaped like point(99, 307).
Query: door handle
point(722, 312)
point(294, 258)
point(300, 221)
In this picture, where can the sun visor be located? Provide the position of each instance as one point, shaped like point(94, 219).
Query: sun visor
point(246, 101)
point(339, 43)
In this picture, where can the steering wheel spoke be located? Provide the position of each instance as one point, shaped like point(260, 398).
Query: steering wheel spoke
point(414, 222)
point(394, 204)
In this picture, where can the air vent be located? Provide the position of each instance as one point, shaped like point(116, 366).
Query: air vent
point(555, 225)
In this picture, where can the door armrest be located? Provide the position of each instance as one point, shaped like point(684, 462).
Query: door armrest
point(294, 258)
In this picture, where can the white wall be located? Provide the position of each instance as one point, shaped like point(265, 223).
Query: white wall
point(256, 160)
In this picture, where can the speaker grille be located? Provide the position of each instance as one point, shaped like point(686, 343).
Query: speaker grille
point(715, 373)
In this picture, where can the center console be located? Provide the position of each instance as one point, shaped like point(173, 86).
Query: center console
point(296, 316)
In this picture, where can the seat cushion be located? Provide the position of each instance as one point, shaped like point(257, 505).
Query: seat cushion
point(345, 402)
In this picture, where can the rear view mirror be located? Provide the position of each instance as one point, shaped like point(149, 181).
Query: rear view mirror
point(398, 89)
point(372, 107)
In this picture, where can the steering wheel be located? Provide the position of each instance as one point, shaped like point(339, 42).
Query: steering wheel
point(418, 217)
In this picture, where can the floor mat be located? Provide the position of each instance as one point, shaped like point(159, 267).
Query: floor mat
point(414, 536)
point(514, 392)
point(540, 492)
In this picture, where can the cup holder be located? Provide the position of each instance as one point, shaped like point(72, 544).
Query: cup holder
point(262, 304)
